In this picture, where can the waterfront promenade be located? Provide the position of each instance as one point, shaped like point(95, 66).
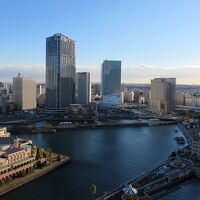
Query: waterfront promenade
point(157, 182)
point(161, 180)
point(35, 174)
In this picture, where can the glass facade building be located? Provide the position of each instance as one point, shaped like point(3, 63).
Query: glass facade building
point(60, 72)
point(111, 82)
point(83, 88)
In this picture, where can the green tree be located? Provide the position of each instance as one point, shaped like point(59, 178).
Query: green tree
point(40, 153)
point(23, 173)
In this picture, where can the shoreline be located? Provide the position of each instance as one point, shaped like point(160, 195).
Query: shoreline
point(94, 126)
point(18, 182)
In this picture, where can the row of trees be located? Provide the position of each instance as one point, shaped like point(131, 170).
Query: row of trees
point(22, 173)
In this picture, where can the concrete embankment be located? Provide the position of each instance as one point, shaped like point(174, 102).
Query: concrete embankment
point(34, 175)
point(122, 125)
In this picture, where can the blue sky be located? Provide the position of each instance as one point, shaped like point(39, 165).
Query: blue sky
point(152, 37)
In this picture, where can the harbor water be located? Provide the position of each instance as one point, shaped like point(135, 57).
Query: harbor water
point(104, 157)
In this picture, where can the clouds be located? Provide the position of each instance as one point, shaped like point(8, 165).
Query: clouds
point(141, 73)
point(7, 72)
point(168, 67)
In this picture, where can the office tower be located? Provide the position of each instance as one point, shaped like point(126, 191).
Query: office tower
point(111, 83)
point(163, 95)
point(24, 90)
point(60, 72)
point(83, 88)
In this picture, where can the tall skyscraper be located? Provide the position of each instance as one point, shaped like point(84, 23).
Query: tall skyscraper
point(111, 83)
point(83, 88)
point(60, 72)
point(24, 90)
point(162, 98)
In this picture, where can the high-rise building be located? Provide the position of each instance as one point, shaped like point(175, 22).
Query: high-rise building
point(162, 98)
point(60, 72)
point(111, 83)
point(83, 88)
point(24, 90)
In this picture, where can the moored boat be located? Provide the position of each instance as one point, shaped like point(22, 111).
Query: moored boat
point(66, 125)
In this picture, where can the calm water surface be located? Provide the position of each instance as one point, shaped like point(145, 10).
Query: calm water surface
point(105, 157)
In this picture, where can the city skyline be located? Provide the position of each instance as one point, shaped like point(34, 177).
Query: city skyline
point(152, 39)
point(105, 94)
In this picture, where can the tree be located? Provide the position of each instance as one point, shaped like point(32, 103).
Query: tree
point(23, 173)
point(40, 153)
point(48, 154)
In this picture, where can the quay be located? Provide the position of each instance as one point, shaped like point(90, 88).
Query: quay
point(18, 182)
point(181, 167)
point(155, 183)
point(111, 124)
point(94, 125)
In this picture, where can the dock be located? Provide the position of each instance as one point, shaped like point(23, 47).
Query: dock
point(155, 183)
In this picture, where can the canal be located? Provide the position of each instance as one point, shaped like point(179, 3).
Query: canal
point(104, 157)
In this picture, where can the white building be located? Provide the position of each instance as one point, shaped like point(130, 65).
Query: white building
point(24, 90)
point(141, 99)
point(4, 132)
point(41, 89)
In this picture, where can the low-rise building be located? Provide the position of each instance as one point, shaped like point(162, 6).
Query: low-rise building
point(79, 111)
point(3, 162)
point(112, 100)
point(15, 158)
point(141, 99)
point(128, 96)
point(4, 132)
point(20, 142)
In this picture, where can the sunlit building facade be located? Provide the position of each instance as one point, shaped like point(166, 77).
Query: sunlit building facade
point(162, 96)
point(24, 89)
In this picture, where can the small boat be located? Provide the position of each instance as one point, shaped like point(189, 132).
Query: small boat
point(180, 140)
point(153, 122)
point(176, 131)
point(66, 125)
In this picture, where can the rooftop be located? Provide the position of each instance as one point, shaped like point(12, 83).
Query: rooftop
point(13, 150)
